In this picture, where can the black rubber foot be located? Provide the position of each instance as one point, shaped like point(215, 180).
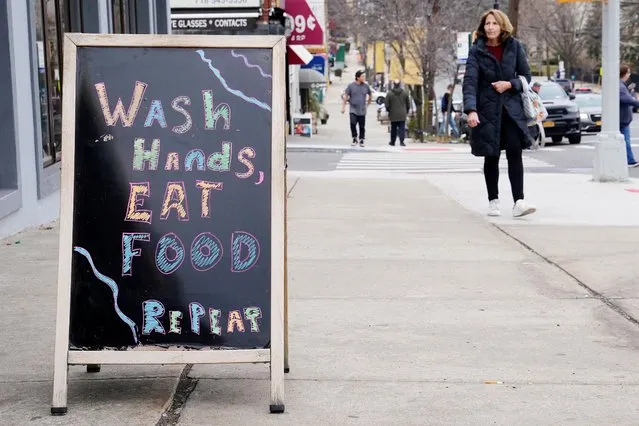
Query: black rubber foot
point(278, 408)
point(58, 411)
point(93, 368)
point(287, 369)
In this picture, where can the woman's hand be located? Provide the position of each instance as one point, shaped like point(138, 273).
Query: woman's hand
point(502, 86)
point(473, 119)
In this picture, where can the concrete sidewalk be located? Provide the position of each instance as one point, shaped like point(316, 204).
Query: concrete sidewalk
point(405, 308)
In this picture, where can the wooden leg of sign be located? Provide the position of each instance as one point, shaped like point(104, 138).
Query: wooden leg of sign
point(93, 368)
point(278, 230)
point(286, 365)
point(61, 367)
point(61, 355)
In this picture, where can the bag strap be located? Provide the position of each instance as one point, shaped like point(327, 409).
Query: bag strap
point(524, 84)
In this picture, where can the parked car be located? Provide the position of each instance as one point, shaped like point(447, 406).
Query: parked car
point(564, 83)
point(563, 114)
point(590, 105)
point(378, 97)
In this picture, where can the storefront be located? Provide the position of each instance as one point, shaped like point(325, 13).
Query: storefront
point(31, 142)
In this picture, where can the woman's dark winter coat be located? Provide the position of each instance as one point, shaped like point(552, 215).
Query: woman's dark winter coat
point(483, 69)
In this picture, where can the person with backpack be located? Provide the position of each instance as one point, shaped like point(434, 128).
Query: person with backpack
point(494, 106)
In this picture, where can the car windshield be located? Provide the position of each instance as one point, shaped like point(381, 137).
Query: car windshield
point(552, 91)
point(588, 101)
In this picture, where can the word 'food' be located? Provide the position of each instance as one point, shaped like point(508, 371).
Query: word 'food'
point(205, 252)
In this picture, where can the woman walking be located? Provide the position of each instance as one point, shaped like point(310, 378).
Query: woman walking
point(492, 100)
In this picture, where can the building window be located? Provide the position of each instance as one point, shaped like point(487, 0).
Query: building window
point(51, 23)
point(122, 14)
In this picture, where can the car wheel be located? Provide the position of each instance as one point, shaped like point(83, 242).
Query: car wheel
point(574, 139)
point(556, 139)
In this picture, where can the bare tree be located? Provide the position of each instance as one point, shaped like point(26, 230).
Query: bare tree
point(513, 15)
point(630, 32)
point(562, 26)
point(339, 17)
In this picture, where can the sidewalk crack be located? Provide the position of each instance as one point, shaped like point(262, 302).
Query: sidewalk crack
point(173, 409)
point(593, 293)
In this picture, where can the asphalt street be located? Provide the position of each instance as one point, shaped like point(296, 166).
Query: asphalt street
point(554, 158)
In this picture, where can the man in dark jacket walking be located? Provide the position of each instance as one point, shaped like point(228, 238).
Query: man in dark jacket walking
point(627, 102)
point(397, 105)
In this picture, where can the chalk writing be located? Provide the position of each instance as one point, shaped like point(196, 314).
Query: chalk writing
point(248, 64)
point(169, 254)
point(154, 311)
point(238, 93)
point(118, 113)
point(114, 289)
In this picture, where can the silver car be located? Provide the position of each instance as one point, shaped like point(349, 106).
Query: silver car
point(590, 111)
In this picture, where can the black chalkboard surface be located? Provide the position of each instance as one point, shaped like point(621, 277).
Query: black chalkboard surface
point(172, 198)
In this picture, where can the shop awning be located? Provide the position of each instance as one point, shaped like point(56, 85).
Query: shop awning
point(298, 55)
point(310, 78)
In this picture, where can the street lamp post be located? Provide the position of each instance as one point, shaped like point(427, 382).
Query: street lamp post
point(610, 163)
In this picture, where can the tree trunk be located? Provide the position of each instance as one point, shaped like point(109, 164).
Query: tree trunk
point(416, 92)
point(513, 14)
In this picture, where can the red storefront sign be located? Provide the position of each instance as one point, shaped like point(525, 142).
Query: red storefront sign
point(308, 22)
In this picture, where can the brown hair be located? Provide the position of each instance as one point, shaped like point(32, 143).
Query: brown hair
point(623, 70)
point(502, 20)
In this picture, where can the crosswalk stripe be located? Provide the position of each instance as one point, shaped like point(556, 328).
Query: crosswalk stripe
point(435, 161)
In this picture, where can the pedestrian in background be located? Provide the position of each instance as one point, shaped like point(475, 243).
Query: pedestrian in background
point(492, 100)
point(397, 104)
point(358, 94)
point(627, 102)
point(447, 100)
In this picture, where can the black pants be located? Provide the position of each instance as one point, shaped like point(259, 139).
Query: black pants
point(355, 120)
point(398, 128)
point(509, 129)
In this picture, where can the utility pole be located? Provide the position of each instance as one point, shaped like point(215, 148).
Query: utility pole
point(610, 164)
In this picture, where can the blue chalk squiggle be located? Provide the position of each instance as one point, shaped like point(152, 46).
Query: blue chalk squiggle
point(250, 65)
point(114, 288)
point(235, 92)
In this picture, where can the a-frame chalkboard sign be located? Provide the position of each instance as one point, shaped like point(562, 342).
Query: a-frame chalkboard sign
point(173, 203)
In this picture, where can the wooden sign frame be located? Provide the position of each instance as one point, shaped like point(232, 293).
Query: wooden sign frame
point(275, 356)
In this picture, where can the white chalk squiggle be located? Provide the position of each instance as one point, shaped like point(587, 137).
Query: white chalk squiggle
point(235, 92)
point(114, 288)
point(250, 65)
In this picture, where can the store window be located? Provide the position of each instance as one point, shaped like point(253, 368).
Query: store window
point(51, 22)
point(123, 13)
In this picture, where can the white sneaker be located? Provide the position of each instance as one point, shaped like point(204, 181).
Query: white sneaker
point(493, 208)
point(522, 208)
